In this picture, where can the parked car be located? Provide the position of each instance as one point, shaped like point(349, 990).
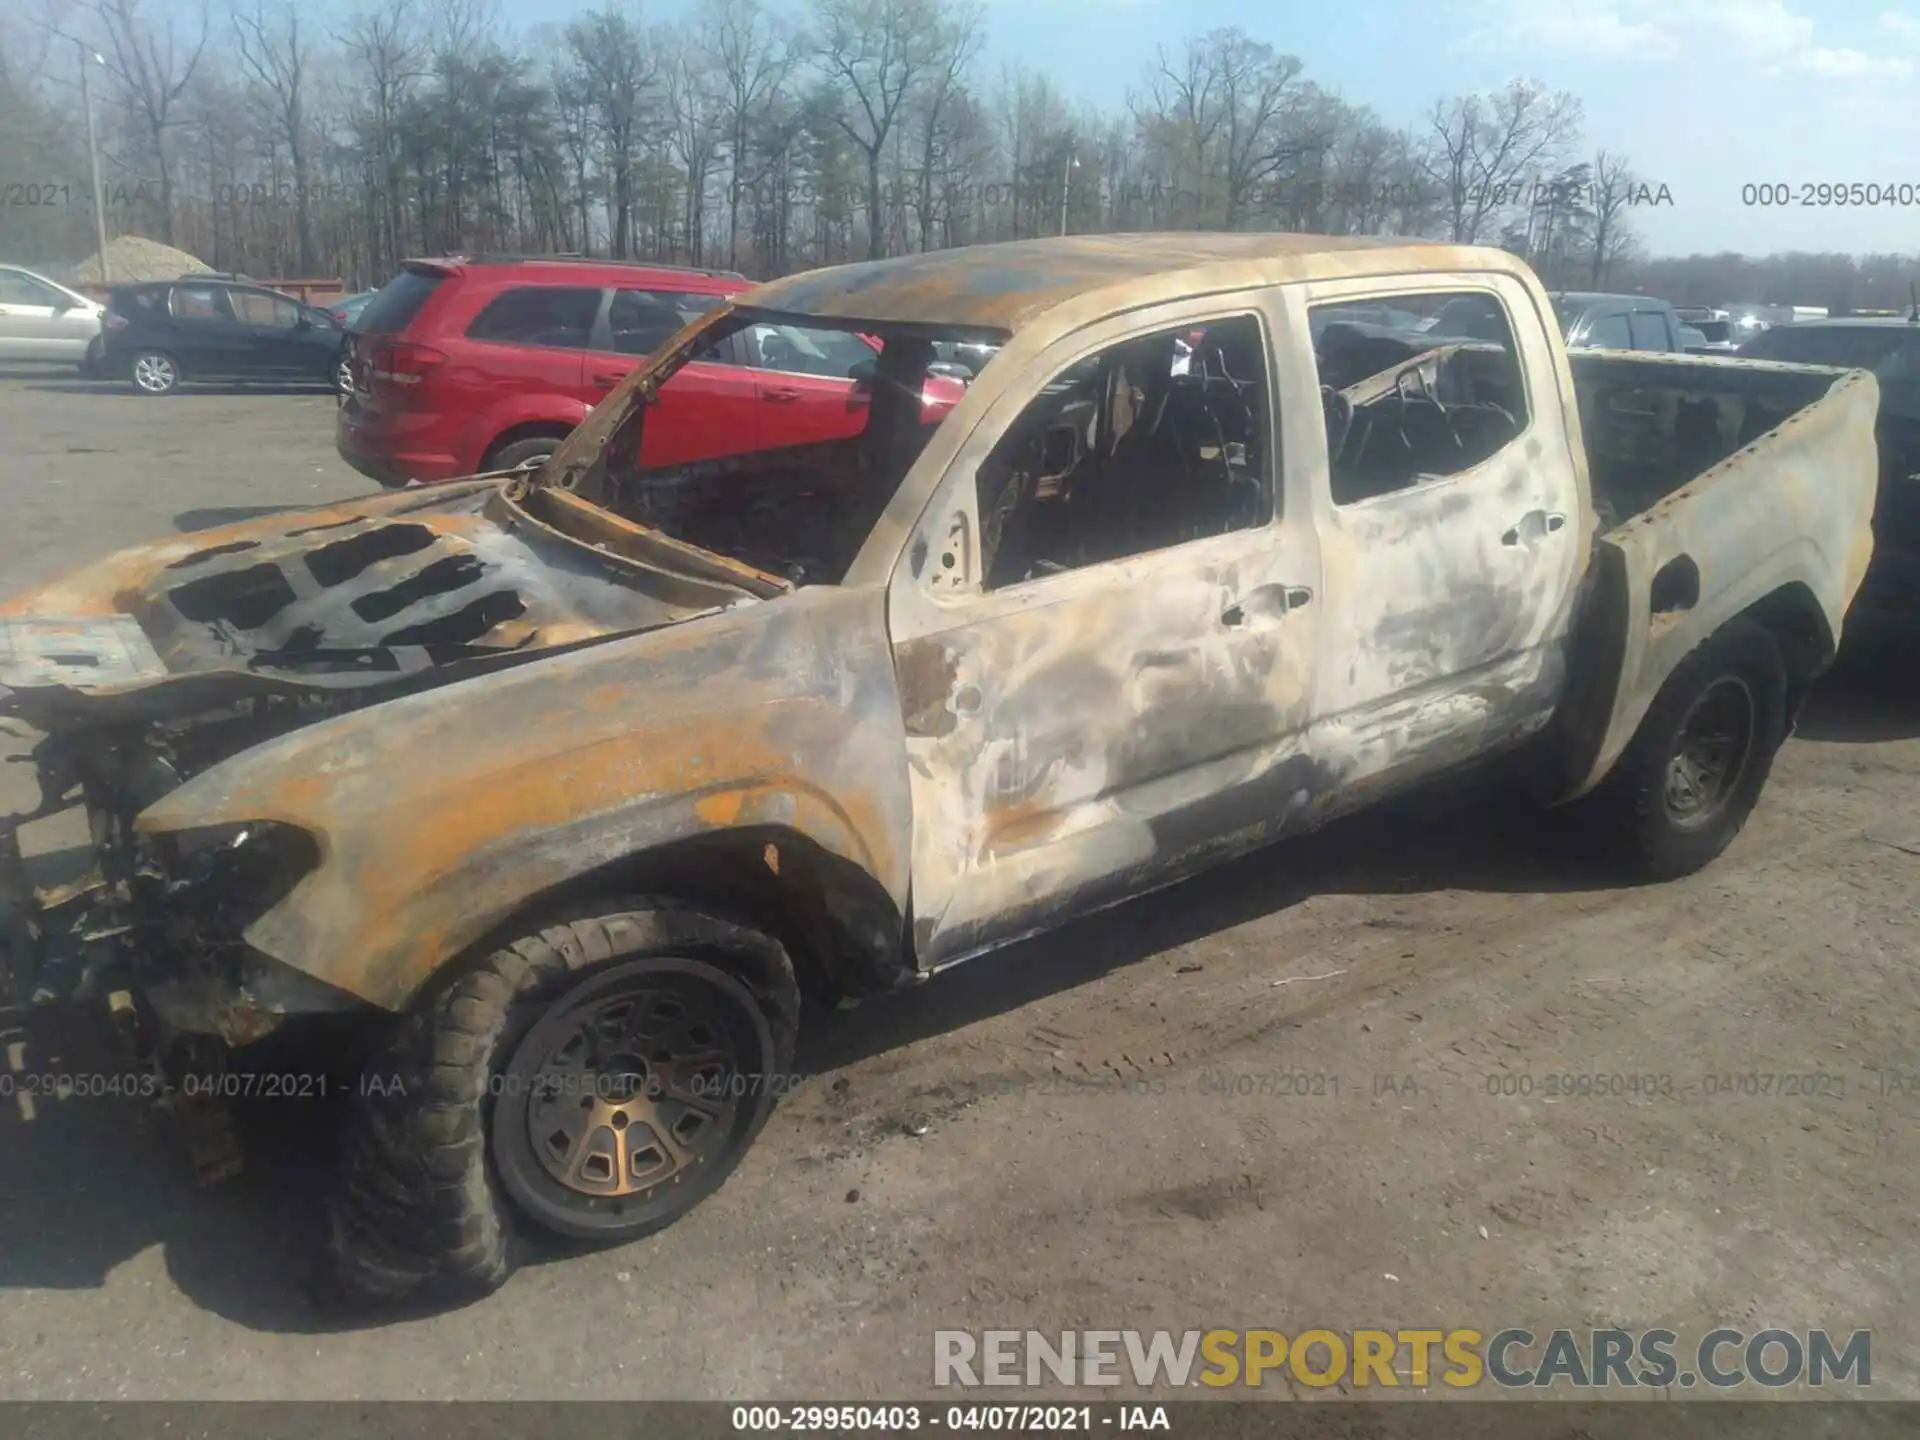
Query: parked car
point(347, 308)
point(164, 334)
point(41, 319)
point(1589, 320)
point(1719, 336)
point(465, 366)
point(1889, 347)
point(555, 788)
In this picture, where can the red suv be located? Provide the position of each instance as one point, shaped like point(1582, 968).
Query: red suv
point(465, 365)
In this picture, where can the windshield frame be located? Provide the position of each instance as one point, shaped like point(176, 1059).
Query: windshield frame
point(581, 465)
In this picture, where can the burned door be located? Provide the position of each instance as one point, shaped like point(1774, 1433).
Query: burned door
point(1104, 629)
point(1451, 528)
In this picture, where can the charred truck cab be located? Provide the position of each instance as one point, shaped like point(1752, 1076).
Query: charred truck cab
point(555, 789)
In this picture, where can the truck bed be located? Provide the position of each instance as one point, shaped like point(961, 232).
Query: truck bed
point(1653, 423)
point(1720, 486)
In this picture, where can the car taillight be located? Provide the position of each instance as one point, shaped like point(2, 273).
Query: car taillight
point(400, 363)
point(114, 322)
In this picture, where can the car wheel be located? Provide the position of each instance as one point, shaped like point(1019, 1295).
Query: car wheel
point(1685, 784)
point(528, 454)
point(342, 376)
point(154, 372)
point(598, 1078)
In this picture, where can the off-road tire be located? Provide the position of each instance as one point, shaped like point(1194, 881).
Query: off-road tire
point(1628, 817)
point(418, 1208)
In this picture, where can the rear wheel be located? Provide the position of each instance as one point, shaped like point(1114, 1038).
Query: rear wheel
point(342, 376)
point(528, 454)
point(155, 372)
point(1694, 770)
point(598, 1078)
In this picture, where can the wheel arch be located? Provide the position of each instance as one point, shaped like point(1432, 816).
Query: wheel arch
point(841, 928)
point(524, 430)
point(1632, 634)
point(1798, 624)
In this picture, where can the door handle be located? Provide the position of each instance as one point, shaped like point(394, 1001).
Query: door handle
point(780, 394)
point(1265, 602)
point(608, 381)
point(1532, 526)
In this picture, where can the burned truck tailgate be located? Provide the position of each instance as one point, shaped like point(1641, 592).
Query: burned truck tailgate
point(373, 594)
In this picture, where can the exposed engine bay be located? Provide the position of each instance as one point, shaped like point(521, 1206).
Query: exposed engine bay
point(222, 643)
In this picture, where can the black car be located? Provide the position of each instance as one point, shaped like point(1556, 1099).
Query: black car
point(1590, 320)
point(164, 333)
point(1890, 348)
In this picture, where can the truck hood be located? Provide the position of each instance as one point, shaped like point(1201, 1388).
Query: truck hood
point(402, 590)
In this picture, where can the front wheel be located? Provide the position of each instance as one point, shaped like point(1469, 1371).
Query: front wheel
point(155, 372)
point(597, 1078)
point(342, 376)
point(1694, 770)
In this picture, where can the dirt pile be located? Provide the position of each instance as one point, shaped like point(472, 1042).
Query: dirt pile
point(133, 258)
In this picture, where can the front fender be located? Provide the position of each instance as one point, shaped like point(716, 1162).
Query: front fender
point(440, 815)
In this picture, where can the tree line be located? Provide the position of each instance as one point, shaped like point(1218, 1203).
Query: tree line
point(284, 139)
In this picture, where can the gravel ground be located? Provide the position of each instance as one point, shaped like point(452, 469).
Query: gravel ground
point(1041, 1140)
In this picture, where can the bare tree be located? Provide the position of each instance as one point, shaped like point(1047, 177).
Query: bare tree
point(699, 128)
point(617, 69)
point(388, 49)
point(145, 58)
point(275, 58)
point(1486, 152)
point(1242, 116)
point(1613, 184)
point(875, 52)
point(958, 44)
point(753, 52)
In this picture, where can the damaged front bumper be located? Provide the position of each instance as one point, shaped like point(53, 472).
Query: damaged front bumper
point(167, 932)
point(160, 916)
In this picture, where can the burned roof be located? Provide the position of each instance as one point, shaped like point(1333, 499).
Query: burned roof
point(1003, 286)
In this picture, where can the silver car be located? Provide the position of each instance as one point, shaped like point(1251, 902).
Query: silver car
point(42, 320)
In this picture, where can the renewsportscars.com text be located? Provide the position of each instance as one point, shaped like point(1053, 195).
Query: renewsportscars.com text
point(1512, 1358)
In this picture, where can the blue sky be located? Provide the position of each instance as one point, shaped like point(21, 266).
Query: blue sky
point(1704, 95)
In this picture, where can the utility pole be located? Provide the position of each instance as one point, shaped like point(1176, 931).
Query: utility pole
point(93, 147)
point(1066, 183)
point(93, 161)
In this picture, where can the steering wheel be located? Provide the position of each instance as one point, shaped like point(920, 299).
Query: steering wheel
point(1337, 411)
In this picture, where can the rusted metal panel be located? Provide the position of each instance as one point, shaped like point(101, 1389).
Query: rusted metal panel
point(350, 595)
point(1003, 286)
point(441, 814)
point(1794, 507)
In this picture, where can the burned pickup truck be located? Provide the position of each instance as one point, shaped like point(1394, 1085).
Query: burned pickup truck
point(558, 788)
